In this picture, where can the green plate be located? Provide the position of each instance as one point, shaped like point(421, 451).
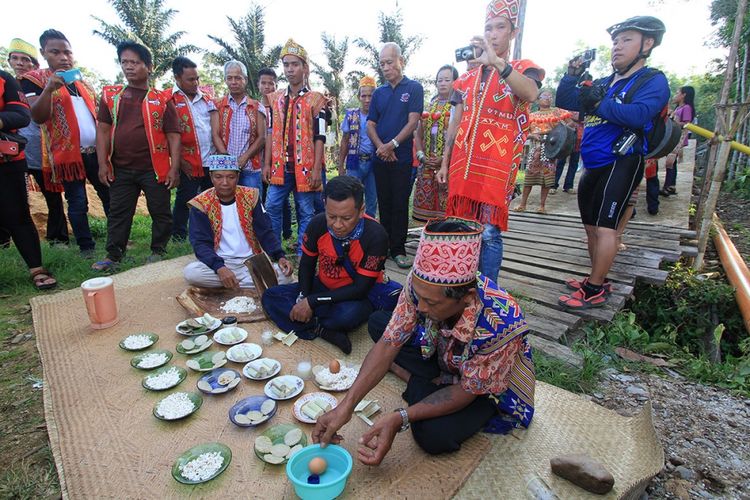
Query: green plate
point(135, 360)
point(276, 435)
point(202, 347)
point(196, 398)
point(205, 361)
point(181, 372)
point(152, 336)
point(194, 453)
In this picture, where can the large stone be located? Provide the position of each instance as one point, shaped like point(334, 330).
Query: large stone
point(583, 471)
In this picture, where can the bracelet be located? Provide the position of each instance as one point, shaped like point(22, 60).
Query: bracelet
point(507, 70)
point(395, 143)
point(420, 155)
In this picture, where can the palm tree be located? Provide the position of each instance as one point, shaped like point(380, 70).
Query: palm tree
point(391, 27)
point(249, 35)
point(146, 22)
point(333, 80)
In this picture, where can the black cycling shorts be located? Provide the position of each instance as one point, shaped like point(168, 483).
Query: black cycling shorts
point(603, 192)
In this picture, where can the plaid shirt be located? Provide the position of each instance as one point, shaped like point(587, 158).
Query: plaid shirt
point(239, 128)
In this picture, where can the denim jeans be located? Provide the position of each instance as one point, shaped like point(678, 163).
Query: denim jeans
point(305, 203)
point(491, 253)
point(652, 195)
point(342, 317)
point(670, 179)
point(365, 174)
point(78, 202)
point(570, 177)
point(251, 178)
point(189, 187)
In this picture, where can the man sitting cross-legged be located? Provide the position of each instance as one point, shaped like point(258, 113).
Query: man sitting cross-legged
point(228, 224)
point(350, 250)
point(457, 339)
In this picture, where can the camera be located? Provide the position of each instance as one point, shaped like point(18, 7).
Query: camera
point(624, 143)
point(588, 56)
point(467, 53)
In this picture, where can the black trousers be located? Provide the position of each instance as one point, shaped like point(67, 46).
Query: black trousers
point(123, 198)
point(440, 434)
point(57, 224)
point(15, 217)
point(393, 184)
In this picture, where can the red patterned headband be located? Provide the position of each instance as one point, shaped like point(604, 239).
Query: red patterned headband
point(448, 258)
point(504, 8)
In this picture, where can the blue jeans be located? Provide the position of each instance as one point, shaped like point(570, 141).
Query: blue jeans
point(670, 179)
point(251, 178)
point(365, 174)
point(189, 187)
point(652, 195)
point(491, 253)
point(78, 213)
point(572, 169)
point(275, 205)
point(278, 302)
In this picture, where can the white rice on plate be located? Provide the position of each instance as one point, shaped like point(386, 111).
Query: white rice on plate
point(202, 467)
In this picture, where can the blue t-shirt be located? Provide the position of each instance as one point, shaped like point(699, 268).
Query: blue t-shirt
point(610, 120)
point(366, 146)
point(390, 108)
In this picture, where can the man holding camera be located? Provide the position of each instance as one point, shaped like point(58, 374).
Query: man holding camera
point(488, 130)
point(613, 147)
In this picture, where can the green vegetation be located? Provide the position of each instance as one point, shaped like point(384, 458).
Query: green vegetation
point(679, 323)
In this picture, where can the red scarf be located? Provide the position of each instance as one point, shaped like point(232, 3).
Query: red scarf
point(488, 147)
point(61, 141)
point(191, 149)
point(225, 120)
point(153, 108)
point(246, 199)
point(305, 109)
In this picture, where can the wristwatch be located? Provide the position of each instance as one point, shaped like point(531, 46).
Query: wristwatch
point(394, 142)
point(404, 419)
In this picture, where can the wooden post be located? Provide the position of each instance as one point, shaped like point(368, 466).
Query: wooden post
point(724, 123)
point(519, 37)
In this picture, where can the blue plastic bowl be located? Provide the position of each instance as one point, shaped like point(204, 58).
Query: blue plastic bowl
point(332, 481)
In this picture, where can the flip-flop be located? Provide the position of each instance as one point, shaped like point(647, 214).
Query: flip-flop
point(41, 275)
point(541, 211)
point(104, 266)
point(519, 209)
point(403, 261)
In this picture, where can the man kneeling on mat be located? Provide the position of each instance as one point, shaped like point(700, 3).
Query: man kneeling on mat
point(459, 342)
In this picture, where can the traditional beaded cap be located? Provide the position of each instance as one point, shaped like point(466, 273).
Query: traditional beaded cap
point(448, 258)
point(367, 81)
point(22, 47)
point(222, 162)
point(504, 8)
point(292, 48)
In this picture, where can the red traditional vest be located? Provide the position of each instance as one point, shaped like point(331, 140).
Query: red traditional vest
point(153, 108)
point(225, 120)
point(61, 142)
point(191, 149)
point(304, 110)
point(208, 203)
point(488, 147)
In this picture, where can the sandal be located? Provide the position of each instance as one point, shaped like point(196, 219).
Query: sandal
point(40, 276)
point(519, 209)
point(574, 284)
point(104, 266)
point(403, 261)
point(540, 210)
point(577, 301)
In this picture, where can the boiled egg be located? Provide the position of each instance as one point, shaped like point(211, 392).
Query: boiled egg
point(334, 366)
point(317, 466)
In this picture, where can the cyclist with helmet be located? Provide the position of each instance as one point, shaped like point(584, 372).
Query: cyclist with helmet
point(613, 147)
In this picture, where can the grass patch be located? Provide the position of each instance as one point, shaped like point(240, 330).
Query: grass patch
point(579, 380)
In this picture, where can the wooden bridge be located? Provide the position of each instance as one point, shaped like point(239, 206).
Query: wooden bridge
point(542, 250)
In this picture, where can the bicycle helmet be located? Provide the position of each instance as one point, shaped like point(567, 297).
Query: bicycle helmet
point(647, 25)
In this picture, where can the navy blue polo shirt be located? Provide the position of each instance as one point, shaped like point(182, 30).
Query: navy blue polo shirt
point(390, 108)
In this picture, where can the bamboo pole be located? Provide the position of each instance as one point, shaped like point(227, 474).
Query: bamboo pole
point(709, 205)
point(742, 148)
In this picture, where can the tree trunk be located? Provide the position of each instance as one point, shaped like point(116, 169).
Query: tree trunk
point(722, 128)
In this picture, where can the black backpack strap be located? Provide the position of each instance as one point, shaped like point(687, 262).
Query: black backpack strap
point(640, 81)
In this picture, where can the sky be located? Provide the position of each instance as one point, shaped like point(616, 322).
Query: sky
point(554, 30)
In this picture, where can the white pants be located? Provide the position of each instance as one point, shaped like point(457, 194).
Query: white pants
point(199, 274)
